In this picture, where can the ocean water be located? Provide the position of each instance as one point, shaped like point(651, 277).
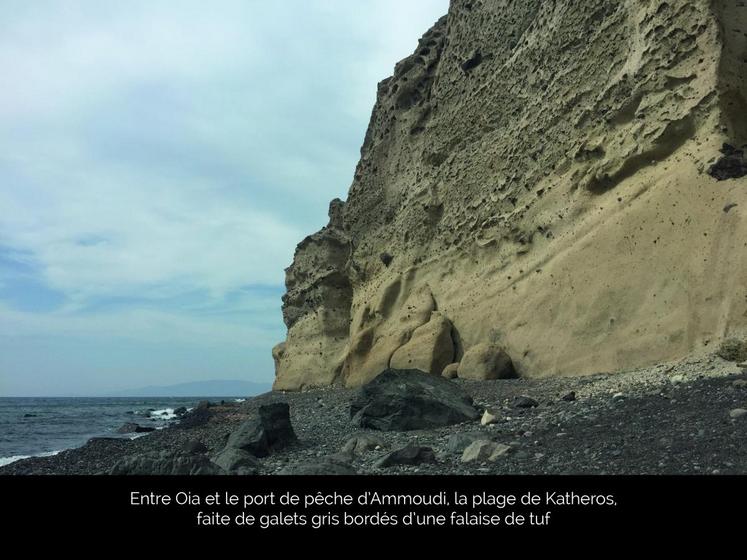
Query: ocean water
point(45, 426)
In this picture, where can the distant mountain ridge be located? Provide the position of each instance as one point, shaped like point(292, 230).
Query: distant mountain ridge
point(212, 388)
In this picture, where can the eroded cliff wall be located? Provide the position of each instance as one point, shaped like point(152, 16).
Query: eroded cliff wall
point(547, 176)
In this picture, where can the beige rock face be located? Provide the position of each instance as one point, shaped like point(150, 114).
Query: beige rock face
point(430, 348)
point(450, 371)
point(538, 173)
point(316, 309)
point(486, 361)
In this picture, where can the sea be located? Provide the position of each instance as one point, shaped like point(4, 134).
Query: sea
point(38, 427)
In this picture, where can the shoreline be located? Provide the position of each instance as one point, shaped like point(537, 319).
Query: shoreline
point(152, 418)
point(672, 418)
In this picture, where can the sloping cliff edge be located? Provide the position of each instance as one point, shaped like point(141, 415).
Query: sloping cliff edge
point(560, 179)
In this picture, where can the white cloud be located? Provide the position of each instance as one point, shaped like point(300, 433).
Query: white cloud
point(146, 325)
point(158, 149)
point(112, 233)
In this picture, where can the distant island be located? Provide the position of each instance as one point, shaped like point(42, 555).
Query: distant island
point(212, 388)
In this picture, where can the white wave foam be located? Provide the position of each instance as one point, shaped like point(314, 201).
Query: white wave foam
point(239, 400)
point(138, 435)
point(163, 414)
point(8, 460)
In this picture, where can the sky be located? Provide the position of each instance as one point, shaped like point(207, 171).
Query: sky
point(159, 162)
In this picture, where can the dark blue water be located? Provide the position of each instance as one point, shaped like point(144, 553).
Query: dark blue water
point(39, 426)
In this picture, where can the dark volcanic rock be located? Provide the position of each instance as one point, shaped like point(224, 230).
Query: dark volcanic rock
point(731, 165)
point(524, 402)
point(165, 463)
point(269, 431)
point(194, 447)
point(408, 455)
point(132, 428)
point(180, 411)
point(195, 418)
point(236, 461)
point(569, 397)
point(399, 400)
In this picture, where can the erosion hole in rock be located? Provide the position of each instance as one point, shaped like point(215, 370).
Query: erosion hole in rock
point(472, 62)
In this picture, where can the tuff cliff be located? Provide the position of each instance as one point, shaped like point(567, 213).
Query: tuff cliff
point(560, 179)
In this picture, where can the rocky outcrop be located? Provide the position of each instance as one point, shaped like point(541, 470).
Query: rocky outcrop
point(316, 308)
point(543, 177)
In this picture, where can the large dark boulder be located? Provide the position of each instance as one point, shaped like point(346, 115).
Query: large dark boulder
point(165, 463)
point(399, 400)
point(195, 418)
point(269, 431)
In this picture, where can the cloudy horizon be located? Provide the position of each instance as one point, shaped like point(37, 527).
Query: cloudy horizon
point(159, 162)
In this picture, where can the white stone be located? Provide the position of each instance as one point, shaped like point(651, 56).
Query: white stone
point(488, 418)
